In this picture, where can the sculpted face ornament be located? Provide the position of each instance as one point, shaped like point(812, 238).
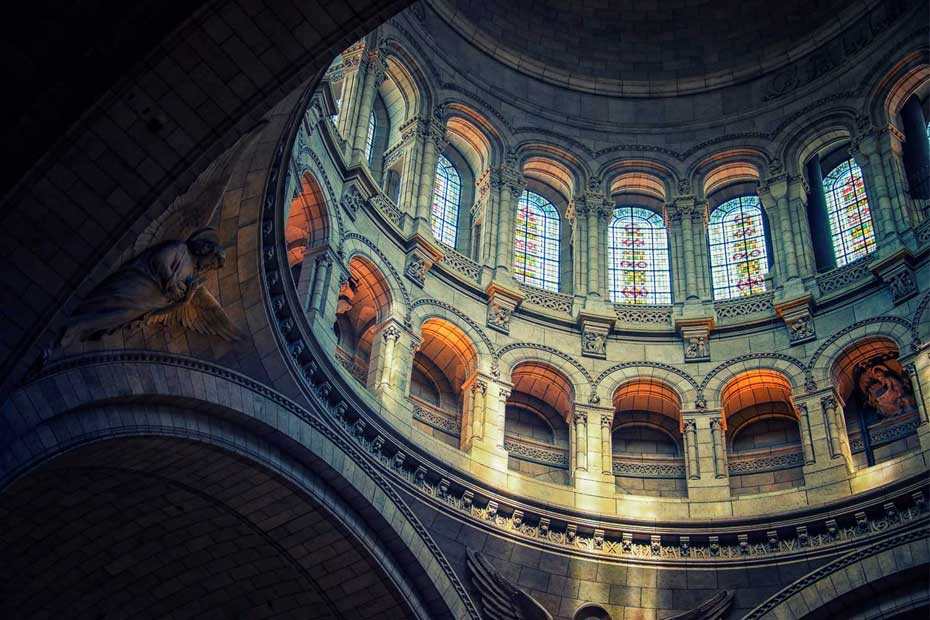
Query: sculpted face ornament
point(164, 285)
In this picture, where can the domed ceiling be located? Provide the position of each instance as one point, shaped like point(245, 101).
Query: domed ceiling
point(647, 47)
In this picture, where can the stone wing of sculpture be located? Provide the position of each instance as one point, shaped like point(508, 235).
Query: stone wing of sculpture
point(713, 608)
point(500, 599)
point(202, 313)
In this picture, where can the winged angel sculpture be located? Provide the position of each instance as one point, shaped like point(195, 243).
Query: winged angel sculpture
point(502, 600)
point(163, 285)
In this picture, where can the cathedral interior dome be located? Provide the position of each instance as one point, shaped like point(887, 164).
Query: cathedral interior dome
point(459, 309)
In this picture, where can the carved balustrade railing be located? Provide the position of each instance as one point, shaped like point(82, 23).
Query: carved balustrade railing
point(536, 451)
point(459, 263)
point(759, 461)
point(648, 467)
point(844, 276)
point(448, 422)
point(358, 371)
point(557, 302)
point(884, 432)
point(647, 314)
point(745, 306)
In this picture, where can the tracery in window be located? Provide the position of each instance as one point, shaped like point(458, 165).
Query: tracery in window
point(447, 192)
point(638, 266)
point(848, 213)
point(738, 256)
point(370, 140)
point(536, 242)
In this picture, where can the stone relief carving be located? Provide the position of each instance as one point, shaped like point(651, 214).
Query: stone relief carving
point(697, 349)
point(499, 317)
point(593, 343)
point(902, 285)
point(416, 269)
point(163, 285)
point(801, 329)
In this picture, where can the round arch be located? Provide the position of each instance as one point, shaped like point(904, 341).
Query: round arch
point(230, 412)
point(825, 357)
point(792, 369)
point(426, 309)
point(512, 355)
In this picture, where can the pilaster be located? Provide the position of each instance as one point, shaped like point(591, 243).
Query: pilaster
point(706, 458)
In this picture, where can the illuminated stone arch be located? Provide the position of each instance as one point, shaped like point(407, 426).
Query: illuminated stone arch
point(791, 368)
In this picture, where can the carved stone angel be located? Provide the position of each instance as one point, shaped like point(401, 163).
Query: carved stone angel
point(163, 285)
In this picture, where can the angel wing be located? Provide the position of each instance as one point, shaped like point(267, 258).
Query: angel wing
point(202, 313)
point(500, 599)
point(712, 609)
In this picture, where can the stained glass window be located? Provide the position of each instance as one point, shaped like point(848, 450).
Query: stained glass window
point(536, 242)
point(370, 140)
point(638, 257)
point(848, 213)
point(738, 258)
point(447, 190)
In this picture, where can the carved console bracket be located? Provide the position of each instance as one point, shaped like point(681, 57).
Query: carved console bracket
point(898, 274)
point(695, 334)
point(595, 327)
point(798, 319)
point(502, 301)
point(422, 254)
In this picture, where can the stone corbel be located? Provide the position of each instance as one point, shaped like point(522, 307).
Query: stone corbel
point(422, 254)
point(695, 334)
point(595, 328)
point(897, 273)
point(502, 301)
point(798, 319)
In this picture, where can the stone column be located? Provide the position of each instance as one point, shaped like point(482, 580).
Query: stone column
point(412, 141)
point(804, 430)
point(507, 180)
point(374, 76)
point(708, 479)
point(865, 150)
point(690, 275)
point(774, 197)
point(433, 139)
point(917, 367)
point(718, 442)
point(676, 252)
point(486, 444)
point(607, 460)
point(689, 433)
point(836, 428)
point(797, 211)
point(580, 420)
point(474, 410)
point(353, 74)
point(591, 205)
point(892, 153)
point(389, 334)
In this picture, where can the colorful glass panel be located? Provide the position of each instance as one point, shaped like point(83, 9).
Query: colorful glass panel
point(370, 139)
point(738, 257)
point(447, 191)
point(536, 242)
point(638, 266)
point(848, 213)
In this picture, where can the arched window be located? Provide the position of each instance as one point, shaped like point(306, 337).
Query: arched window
point(738, 258)
point(536, 242)
point(848, 213)
point(370, 140)
point(447, 192)
point(638, 255)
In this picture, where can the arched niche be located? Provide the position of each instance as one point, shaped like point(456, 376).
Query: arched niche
point(647, 455)
point(442, 364)
point(536, 432)
point(879, 404)
point(764, 451)
point(363, 306)
point(307, 227)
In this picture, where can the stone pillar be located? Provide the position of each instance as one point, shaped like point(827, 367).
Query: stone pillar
point(892, 152)
point(390, 335)
point(690, 275)
point(676, 252)
point(917, 367)
point(804, 430)
point(708, 479)
point(836, 428)
point(411, 138)
point(433, 144)
point(353, 74)
point(374, 76)
point(689, 433)
point(824, 468)
point(865, 150)
point(607, 451)
point(589, 209)
point(508, 182)
point(718, 443)
point(474, 410)
point(797, 211)
point(486, 445)
point(580, 421)
point(774, 197)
